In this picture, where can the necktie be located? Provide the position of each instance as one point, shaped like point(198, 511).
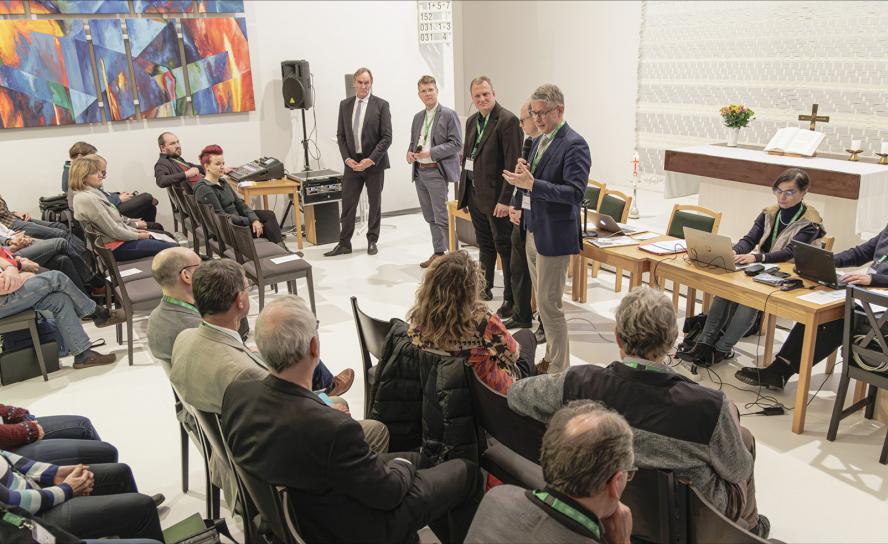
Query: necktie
point(356, 125)
point(544, 145)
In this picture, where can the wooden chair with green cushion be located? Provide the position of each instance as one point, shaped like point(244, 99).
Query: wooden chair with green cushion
point(616, 205)
point(594, 193)
point(695, 217)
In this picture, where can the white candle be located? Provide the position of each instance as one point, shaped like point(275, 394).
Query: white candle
point(855, 145)
point(885, 147)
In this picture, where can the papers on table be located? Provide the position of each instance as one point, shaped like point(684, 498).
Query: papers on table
point(614, 241)
point(645, 235)
point(285, 259)
point(669, 247)
point(824, 297)
point(129, 272)
point(163, 237)
point(246, 184)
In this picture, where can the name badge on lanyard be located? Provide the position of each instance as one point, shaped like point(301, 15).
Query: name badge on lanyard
point(525, 201)
point(469, 166)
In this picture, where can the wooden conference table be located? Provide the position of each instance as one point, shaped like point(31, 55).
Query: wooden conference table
point(733, 286)
point(284, 186)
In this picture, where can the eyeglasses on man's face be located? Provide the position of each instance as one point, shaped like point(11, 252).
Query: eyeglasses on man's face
point(540, 114)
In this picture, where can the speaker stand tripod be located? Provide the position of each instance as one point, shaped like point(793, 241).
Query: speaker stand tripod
point(307, 168)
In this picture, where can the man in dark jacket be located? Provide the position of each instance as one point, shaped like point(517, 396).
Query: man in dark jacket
point(283, 433)
point(171, 169)
point(492, 144)
point(829, 335)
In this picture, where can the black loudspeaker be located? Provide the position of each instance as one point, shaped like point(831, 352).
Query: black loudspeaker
point(296, 84)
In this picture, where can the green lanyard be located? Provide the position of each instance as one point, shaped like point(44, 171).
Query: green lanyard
point(641, 366)
point(181, 303)
point(778, 222)
point(427, 125)
point(561, 507)
point(881, 259)
point(540, 150)
point(480, 132)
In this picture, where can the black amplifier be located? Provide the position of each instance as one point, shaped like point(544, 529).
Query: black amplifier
point(319, 186)
point(262, 169)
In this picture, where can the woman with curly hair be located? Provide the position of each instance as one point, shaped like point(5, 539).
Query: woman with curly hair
point(449, 317)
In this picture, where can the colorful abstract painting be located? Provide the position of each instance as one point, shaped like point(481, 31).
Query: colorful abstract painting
point(12, 7)
point(217, 57)
point(113, 68)
point(220, 6)
point(160, 77)
point(46, 77)
point(163, 6)
point(79, 6)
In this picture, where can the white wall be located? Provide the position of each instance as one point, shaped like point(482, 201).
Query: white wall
point(588, 49)
point(335, 37)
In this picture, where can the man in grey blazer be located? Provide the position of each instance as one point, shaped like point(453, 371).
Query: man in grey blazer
point(364, 134)
point(435, 142)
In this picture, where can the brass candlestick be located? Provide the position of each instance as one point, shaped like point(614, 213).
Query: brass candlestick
point(883, 158)
point(854, 154)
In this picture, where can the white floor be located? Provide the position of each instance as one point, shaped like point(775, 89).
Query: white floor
point(811, 489)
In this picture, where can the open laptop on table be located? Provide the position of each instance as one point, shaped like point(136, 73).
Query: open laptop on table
point(603, 223)
point(711, 249)
point(816, 264)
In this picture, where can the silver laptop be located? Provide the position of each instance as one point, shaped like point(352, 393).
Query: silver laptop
point(605, 223)
point(709, 249)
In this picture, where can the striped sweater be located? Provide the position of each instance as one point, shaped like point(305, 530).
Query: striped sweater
point(29, 484)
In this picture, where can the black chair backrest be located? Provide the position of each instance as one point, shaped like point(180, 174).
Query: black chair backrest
point(521, 434)
point(269, 501)
point(371, 335)
point(208, 214)
point(659, 507)
point(223, 226)
point(871, 348)
point(707, 525)
point(684, 218)
point(243, 241)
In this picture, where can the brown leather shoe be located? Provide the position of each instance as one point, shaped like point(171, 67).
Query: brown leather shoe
point(542, 367)
point(428, 262)
point(342, 382)
point(96, 359)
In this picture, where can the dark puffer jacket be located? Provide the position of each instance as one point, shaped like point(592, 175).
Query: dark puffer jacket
point(423, 399)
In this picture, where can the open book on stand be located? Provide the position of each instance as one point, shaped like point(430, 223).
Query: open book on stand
point(796, 142)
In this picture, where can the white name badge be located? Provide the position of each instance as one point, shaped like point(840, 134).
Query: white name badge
point(525, 202)
point(469, 167)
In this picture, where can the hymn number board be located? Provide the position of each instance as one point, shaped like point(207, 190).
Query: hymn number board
point(434, 23)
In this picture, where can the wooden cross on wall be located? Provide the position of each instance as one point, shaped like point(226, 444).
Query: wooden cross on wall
point(814, 117)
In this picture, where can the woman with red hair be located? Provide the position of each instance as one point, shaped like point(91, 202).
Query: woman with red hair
point(210, 190)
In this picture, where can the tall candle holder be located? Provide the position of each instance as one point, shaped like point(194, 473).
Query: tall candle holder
point(633, 210)
point(854, 154)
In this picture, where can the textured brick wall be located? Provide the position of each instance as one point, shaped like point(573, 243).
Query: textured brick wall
point(776, 57)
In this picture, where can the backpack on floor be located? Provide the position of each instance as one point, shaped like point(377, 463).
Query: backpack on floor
point(692, 328)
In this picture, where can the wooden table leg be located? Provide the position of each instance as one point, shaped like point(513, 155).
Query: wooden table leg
point(859, 391)
point(807, 360)
point(831, 362)
point(451, 229)
point(265, 202)
point(297, 220)
point(769, 322)
point(636, 276)
point(676, 292)
point(582, 270)
point(691, 302)
point(707, 300)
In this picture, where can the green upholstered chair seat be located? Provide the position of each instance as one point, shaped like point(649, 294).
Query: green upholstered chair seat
point(689, 219)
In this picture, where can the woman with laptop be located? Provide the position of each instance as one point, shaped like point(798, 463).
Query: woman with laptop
point(768, 241)
point(829, 335)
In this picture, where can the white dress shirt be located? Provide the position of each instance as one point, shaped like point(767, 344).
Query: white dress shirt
point(365, 101)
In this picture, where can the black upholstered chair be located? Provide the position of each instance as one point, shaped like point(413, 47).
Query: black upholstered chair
point(371, 336)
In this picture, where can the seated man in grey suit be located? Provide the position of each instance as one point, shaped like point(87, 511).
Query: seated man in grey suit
point(587, 460)
point(173, 268)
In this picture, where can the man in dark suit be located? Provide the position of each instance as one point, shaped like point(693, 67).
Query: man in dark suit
point(435, 142)
point(284, 434)
point(493, 143)
point(364, 135)
point(171, 169)
point(552, 188)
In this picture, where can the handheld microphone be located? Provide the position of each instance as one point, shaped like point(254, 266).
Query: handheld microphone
point(525, 151)
point(418, 148)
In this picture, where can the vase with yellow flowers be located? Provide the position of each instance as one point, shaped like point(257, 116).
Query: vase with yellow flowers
point(736, 116)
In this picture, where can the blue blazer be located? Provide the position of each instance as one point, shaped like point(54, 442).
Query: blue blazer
point(558, 187)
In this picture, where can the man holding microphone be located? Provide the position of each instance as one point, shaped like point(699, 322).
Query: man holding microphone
point(435, 141)
point(553, 183)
